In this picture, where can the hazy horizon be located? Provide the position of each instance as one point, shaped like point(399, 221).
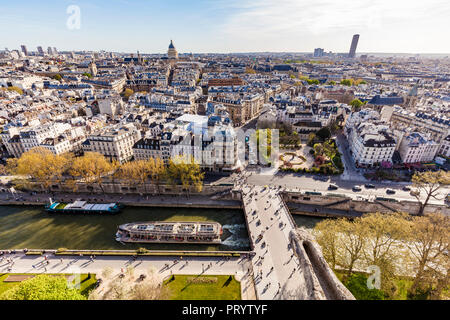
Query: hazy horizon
point(228, 26)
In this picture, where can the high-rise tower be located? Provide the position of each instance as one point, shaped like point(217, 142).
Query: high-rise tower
point(40, 51)
point(355, 40)
point(24, 50)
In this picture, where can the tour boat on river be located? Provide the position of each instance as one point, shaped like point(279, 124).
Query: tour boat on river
point(83, 207)
point(170, 232)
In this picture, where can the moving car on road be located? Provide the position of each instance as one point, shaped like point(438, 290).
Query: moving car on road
point(390, 191)
point(333, 187)
point(356, 189)
point(369, 186)
point(406, 188)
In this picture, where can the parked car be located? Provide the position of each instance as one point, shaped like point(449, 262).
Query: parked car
point(390, 191)
point(369, 186)
point(356, 189)
point(333, 187)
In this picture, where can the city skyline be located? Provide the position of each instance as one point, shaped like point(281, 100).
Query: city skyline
point(205, 26)
point(215, 150)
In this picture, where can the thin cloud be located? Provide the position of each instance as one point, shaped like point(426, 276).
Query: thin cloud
point(269, 18)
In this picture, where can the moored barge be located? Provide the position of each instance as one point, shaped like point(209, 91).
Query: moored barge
point(170, 232)
point(83, 207)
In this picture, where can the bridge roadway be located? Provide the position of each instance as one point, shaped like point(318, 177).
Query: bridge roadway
point(276, 268)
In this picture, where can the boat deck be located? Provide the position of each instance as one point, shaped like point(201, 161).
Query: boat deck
point(170, 232)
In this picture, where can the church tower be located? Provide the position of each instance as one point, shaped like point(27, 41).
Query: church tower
point(172, 53)
point(93, 68)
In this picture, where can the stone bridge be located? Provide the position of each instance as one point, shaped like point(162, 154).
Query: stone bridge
point(287, 264)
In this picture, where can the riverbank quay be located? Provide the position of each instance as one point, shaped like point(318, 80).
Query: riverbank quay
point(133, 253)
point(163, 267)
point(337, 206)
point(132, 200)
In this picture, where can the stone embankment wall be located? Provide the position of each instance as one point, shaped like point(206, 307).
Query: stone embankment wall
point(215, 191)
point(116, 188)
point(328, 206)
point(321, 282)
point(165, 196)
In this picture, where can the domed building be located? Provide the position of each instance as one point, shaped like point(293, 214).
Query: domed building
point(172, 53)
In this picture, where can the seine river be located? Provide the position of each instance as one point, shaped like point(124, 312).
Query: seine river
point(31, 227)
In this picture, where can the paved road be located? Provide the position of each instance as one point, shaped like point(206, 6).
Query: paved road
point(350, 172)
point(299, 182)
point(188, 265)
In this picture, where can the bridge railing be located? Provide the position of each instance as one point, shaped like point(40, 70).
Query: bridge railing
point(290, 218)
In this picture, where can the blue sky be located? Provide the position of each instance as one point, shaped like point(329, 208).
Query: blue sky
point(414, 26)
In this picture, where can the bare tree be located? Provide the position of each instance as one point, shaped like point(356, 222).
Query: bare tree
point(353, 239)
point(127, 287)
point(429, 245)
point(428, 184)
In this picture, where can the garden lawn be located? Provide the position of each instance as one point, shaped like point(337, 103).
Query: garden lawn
point(86, 284)
point(194, 287)
point(402, 285)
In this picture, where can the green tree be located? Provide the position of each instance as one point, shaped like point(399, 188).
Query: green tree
point(313, 81)
point(41, 165)
point(318, 149)
point(356, 105)
point(128, 173)
point(43, 287)
point(327, 236)
point(264, 143)
point(186, 172)
point(16, 89)
point(311, 139)
point(324, 133)
point(157, 172)
point(329, 149)
point(347, 82)
point(337, 161)
point(128, 93)
point(384, 231)
point(91, 168)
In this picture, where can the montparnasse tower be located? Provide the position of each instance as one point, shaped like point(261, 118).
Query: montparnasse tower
point(172, 53)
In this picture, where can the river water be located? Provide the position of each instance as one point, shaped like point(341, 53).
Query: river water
point(33, 228)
